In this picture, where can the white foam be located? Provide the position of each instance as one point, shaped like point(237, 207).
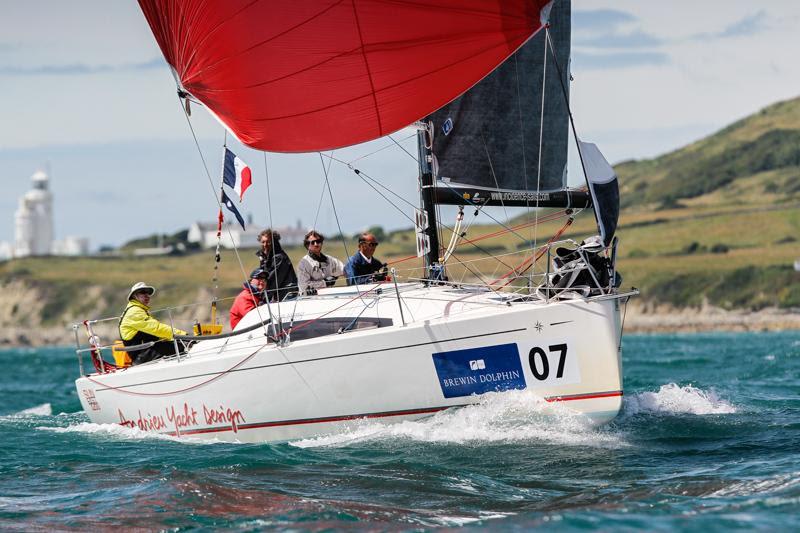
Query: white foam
point(40, 410)
point(513, 416)
point(674, 399)
point(122, 432)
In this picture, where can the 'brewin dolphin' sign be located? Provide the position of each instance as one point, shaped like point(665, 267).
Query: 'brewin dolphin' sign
point(479, 370)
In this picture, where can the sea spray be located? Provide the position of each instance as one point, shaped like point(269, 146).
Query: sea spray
point(40, 410)
point(673, 399)
point(505, 417)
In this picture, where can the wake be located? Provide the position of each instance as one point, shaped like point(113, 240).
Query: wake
point(505, 417)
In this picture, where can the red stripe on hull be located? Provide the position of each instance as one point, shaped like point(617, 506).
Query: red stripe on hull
point(429, 410)
point(609, 394)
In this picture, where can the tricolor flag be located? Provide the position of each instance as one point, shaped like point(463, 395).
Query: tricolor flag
point(227, 202)
point(236, 174)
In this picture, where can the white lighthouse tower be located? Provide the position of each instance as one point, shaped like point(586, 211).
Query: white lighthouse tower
point(34, 219)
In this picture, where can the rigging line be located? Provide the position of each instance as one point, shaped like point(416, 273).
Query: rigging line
point(380, 149)
point(494, 176)
point(384, 187)
point(362, 175)
point(571, 119)
point(501, 224)
point(274, 258)
point(338, 224)
point(522, 140)
point(217, 256)
point(217, 199)
point(541, 142)
point(532, 260)
point(327, 185)
point(275, 269)
point(322, 192)
point(476, 274)
point(470, 223)
point(403, 149)
point(359, 174)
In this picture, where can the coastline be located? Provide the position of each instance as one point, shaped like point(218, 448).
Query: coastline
point(650, 318)
point(639, 318)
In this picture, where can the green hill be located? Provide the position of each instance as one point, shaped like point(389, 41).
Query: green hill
point(755, 160)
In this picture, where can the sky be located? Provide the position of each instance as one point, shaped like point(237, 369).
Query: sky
point(86, 96)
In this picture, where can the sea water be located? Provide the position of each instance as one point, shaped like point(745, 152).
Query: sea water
point(709, 439)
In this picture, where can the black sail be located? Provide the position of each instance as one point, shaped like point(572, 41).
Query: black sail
point(486, 142)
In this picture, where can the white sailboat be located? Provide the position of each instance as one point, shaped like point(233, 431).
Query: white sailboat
point(403, 349)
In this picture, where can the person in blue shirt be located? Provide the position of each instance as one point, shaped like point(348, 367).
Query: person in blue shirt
point(363, 267)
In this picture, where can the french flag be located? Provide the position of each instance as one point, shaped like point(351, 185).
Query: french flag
point(236, 174)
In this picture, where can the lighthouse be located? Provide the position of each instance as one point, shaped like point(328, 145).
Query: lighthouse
point(33, 220)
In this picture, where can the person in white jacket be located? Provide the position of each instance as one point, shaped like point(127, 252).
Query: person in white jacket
point(317, 270)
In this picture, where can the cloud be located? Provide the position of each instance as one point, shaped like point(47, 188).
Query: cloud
point(78, 69)
point(599, 19)
point(749, 25)
point(635, 39)
point(609, 28)
point(618, 60)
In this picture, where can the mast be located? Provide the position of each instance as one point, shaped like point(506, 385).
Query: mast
point(433, 268)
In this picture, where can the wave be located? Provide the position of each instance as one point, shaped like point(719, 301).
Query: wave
point(673, 399)
point(504, 417)
point(44, 409)
point(760, 486)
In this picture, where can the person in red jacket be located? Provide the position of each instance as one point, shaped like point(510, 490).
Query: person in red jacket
point(252, 296)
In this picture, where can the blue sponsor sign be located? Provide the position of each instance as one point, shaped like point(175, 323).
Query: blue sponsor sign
point(479, 370)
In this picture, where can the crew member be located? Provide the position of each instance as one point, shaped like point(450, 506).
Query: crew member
point(363, 267)
point(317, 270)
point(137, 326)
point(281, 278)
point(252, 296)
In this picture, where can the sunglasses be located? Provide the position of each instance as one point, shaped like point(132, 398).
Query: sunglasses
point(315, 241)
point(371, 244)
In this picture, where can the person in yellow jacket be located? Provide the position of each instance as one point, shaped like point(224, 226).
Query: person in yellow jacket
point(137, 326)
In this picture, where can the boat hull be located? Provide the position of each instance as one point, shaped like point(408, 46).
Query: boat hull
point(248, 390)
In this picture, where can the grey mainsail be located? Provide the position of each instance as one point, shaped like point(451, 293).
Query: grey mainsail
point(487, 141)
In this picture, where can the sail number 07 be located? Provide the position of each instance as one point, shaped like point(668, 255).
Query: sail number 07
point(540, 363)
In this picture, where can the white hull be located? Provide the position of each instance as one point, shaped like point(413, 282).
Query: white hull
point(456, 344)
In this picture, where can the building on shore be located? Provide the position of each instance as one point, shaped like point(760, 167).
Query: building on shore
point(71, 246)
point(34, 226)
point(33, 221)
point(205, 233)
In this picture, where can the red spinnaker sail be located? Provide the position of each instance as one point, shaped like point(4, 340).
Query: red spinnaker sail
point(308, 75)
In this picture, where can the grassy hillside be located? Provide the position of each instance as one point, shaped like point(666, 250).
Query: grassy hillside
point(755, 160)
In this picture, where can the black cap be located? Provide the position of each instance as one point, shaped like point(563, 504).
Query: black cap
point(258, 273)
